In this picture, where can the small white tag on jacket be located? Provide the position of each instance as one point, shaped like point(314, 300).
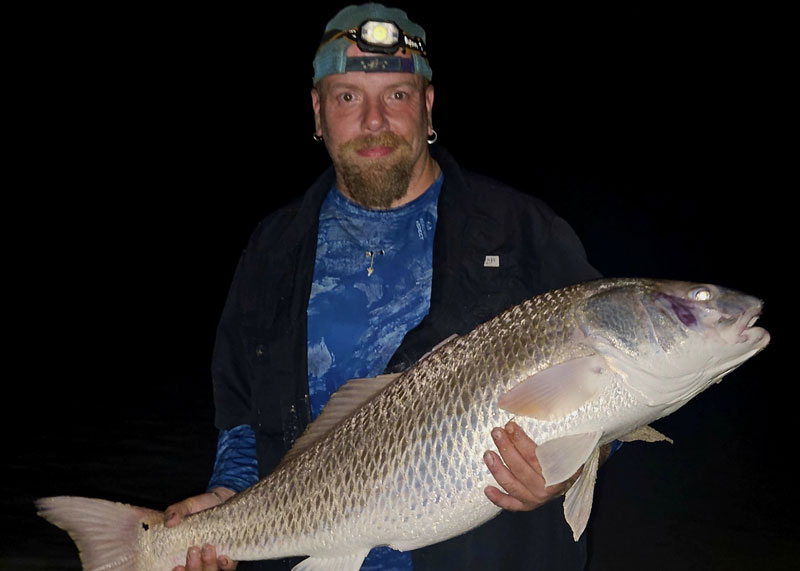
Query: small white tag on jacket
point(491, 262)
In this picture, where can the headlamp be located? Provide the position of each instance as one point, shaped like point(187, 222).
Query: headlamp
point(382, 37)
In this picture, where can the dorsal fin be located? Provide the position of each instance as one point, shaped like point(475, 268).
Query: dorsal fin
point(438, 346)
point(350, 396)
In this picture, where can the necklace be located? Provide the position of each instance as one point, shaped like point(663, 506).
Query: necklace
point(371, 256)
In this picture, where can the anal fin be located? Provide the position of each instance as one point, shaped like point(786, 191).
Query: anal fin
point(348, 562)
point(645, 434)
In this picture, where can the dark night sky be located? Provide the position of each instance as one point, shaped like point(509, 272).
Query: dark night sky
point(152, 144)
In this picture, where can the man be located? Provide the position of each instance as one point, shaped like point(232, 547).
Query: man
point(391, 251)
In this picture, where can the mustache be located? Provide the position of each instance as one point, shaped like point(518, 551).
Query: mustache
point(387, 139)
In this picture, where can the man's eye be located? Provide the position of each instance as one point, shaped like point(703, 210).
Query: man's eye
point(399, 95)
point(347, 97)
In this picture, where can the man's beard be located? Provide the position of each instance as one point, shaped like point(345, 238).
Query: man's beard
point(375, 184)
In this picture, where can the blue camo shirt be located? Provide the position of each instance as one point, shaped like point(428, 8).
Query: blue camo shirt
point(372, 284)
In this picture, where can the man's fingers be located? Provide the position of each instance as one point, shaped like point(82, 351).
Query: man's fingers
point(205, 559)
point(507, 480)
point(175, 513)
point(517, 470)
point(502, 500)
point(208, 555)
point(213, 563)
point(524, 445)
point(193, 561)
point(173, 516)
point(525, 468)
point(226, 563)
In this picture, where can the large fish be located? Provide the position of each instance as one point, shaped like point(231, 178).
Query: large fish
point(398, 461)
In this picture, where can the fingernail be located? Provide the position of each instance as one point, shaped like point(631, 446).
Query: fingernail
point(488, 458)
point(510, 427)
point(497, 433)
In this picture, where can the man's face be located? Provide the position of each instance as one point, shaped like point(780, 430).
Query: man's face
point(375, 127)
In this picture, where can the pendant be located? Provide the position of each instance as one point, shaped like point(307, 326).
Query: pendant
point(371, 255)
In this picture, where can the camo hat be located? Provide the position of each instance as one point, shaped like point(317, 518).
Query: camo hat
point(340, 34)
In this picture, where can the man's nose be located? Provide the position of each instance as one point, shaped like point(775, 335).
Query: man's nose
point(374, 118)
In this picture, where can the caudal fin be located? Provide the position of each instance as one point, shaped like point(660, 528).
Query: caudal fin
point(105, 532)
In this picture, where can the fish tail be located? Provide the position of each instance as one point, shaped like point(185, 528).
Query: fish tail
point(105, 532)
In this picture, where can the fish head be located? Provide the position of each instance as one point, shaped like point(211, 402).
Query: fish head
point(671, 340)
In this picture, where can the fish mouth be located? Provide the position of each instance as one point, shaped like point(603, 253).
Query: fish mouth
point(743, 330)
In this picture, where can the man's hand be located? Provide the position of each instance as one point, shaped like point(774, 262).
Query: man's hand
point(519, 472)
point(205, 558)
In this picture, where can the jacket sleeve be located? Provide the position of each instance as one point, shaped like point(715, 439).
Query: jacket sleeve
point(258, 366)
point(232, 395)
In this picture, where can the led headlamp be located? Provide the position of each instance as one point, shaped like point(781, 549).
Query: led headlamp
point(382, 37)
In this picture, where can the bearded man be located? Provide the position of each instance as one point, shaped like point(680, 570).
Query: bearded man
point(392, 250)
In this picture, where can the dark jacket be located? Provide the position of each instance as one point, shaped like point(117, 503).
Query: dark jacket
point(260, 358)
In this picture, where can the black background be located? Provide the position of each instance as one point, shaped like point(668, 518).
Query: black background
point(146, 144)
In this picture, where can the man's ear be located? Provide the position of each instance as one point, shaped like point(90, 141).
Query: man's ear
point(316, 105)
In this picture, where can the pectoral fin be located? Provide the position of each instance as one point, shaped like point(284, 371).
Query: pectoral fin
point(578, 501)
point(557, 390)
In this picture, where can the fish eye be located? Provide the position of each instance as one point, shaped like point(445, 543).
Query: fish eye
point(700, 294)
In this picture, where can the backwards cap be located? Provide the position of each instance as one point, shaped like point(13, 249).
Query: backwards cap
point(340, 34)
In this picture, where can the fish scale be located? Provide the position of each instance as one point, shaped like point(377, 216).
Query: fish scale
point(405, 467)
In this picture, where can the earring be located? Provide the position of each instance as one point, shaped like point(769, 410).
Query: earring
point(317, 138)
point(433, 137)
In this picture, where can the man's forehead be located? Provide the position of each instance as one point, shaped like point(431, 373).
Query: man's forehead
point(364, 80)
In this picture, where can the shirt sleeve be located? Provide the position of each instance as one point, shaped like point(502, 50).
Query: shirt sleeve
point(236, 465)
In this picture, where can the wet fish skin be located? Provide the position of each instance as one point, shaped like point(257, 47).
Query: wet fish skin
point(403, 465)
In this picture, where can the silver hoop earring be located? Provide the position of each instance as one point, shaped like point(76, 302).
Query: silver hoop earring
point(317, 138)
point(433, 137)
